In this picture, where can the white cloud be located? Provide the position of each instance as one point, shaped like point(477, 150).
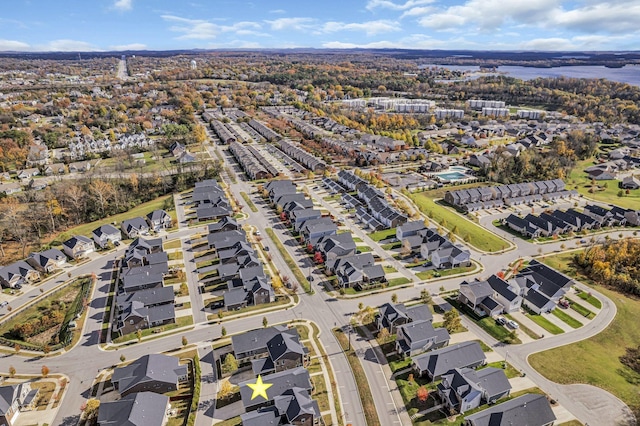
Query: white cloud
point(552, 43)
point(66, 45)
point(123, 4)
point(277, 11)
point(370, 28)
point(614, 17)
point(132, 46)
point(417, 11)
point(297, 24)
point(6, 45)
point(387, 4)
point(489, 15)
point(192, 28)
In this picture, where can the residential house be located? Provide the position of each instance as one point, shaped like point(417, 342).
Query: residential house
point(284, 352)
point(280, 383)
point(504, 294)
point(541, 286)
point(27, 173)
point(159, 219)
point(524, 227)
point(47, 261)
point(135, 227)
point(78, 246)
point(464, 389)
point(393, 315)
point(312, 230)
point(79, 167)
point(630, 182)
point(106, 235)
point(478, 295)
point(294, 407)
point(14, 400)
point(436, 363)
point(529, 409)
point(409, 229)
point(334, 246)
point(156, 373)
point(419, 336)
point(19, 272)
point(253, 344)
point(142, 277)
point(211, 212)
point(227, 223)
point(299, 217)
point(38, 155)
point(137, 409)
point(10, 188)
point(225, 239)
point(450, 256)
point(54, 169)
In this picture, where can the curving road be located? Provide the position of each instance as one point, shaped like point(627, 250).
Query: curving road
point(82, 363)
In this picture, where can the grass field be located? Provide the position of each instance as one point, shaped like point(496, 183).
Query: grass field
point(432, 273)
point(575, 363)
point(152, 163)
point(578, 178)
point(566, 318)
point(383, 235)
point(247, 200)
point(476, 236)
point(172, 244)
point(593, 301)
point(141, 210)
point(581, 310)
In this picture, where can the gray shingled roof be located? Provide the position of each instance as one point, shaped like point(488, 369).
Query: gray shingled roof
point(527, 410)
point(137, 409)
point(149, 368)
point(280, 382)
point(442, 360)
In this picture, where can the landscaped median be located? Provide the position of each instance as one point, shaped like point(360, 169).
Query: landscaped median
point(247, 200)
point(368, 406)
point(302, 280)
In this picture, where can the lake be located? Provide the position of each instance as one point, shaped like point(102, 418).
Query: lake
point(628, 74)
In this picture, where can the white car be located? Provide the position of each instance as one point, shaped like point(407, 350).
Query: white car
point(501, 320)
point(512, 324)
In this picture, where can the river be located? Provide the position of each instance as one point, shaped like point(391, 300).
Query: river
point(628, 74)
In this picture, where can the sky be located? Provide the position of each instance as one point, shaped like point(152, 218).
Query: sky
point(102, 25)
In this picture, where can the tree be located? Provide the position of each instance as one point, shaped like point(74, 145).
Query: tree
point(452, 321)
point(226, 390)
point(45, 371)
point(122, 358)
point(91, 407)
point(139, 335)
point(223, 331)
point(12, 371)
point(422, 394)
point(384, 335)
point(425, 296)
point(46, 349)
point(16, 348)
point(101, 192)
point(406, 248)
point(230, 364)
point(185, 342)
point(317, 258)
point(394, 298)
point(265, 322)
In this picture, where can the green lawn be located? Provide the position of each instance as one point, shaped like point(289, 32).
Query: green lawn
point(180, 322)
point(575, 363)
point(159, 163)
point(141, 210)
point(545, 323)
point(172, 244)
point(589, 298)
point(487, 324)
point(509, 369)
point(302, 280)
point(568, 319)
point(475, 234)
point(247, 200)
point(578, 178)
point(383, 235)
point(389, 269)
point(432, 273)
point(581, 310)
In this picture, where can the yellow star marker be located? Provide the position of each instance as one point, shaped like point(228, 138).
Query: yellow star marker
point(259, 388)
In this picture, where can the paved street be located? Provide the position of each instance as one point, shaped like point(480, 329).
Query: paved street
point(83, 362)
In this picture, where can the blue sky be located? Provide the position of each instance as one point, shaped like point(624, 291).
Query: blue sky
point(70, 25)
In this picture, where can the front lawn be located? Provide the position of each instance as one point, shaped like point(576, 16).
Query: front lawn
point(545, 323)
point(581, 310)
point(566, 318)
point(383, 235)
point(487, 324)
point(436, 273)
point(589, 298)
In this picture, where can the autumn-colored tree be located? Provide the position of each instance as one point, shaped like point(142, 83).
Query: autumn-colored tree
point(422, 394)
point(122, 358)
point(317, 258)
point(265, 322)
point(394, 298)
point(226, 389)
point(139, 335)
point(309, 248)
point(101, 192)
point(230, 364)
point(452, 321)
point(12, 371)
point(185, 342)
point(16, 348)
point(91, 407)
point(406, 247)
point(500, 274)
point(384, 335)
point(223, 331)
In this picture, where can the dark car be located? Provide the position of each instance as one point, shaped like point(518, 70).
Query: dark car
point(266, 248)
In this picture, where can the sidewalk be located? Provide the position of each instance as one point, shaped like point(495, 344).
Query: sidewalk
point(208, 389)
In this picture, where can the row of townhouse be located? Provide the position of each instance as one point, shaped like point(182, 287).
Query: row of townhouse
point(142, 301)
point(251, 165)
point(277, 356)
point(224, 133)
point(438, 249)
point(510, 194)
point(378, 211)
point(308, 160)
point(559, 222)
point(264, 131)
point(537, 286)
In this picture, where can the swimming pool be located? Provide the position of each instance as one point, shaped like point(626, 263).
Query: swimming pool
point(451, 176)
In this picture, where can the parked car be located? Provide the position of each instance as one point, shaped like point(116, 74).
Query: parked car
point(3, 303)
point(256, 233)
point(266, 248)
point(501, 320)
point(17, 286)
point(512, 324)
point(563, 303)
